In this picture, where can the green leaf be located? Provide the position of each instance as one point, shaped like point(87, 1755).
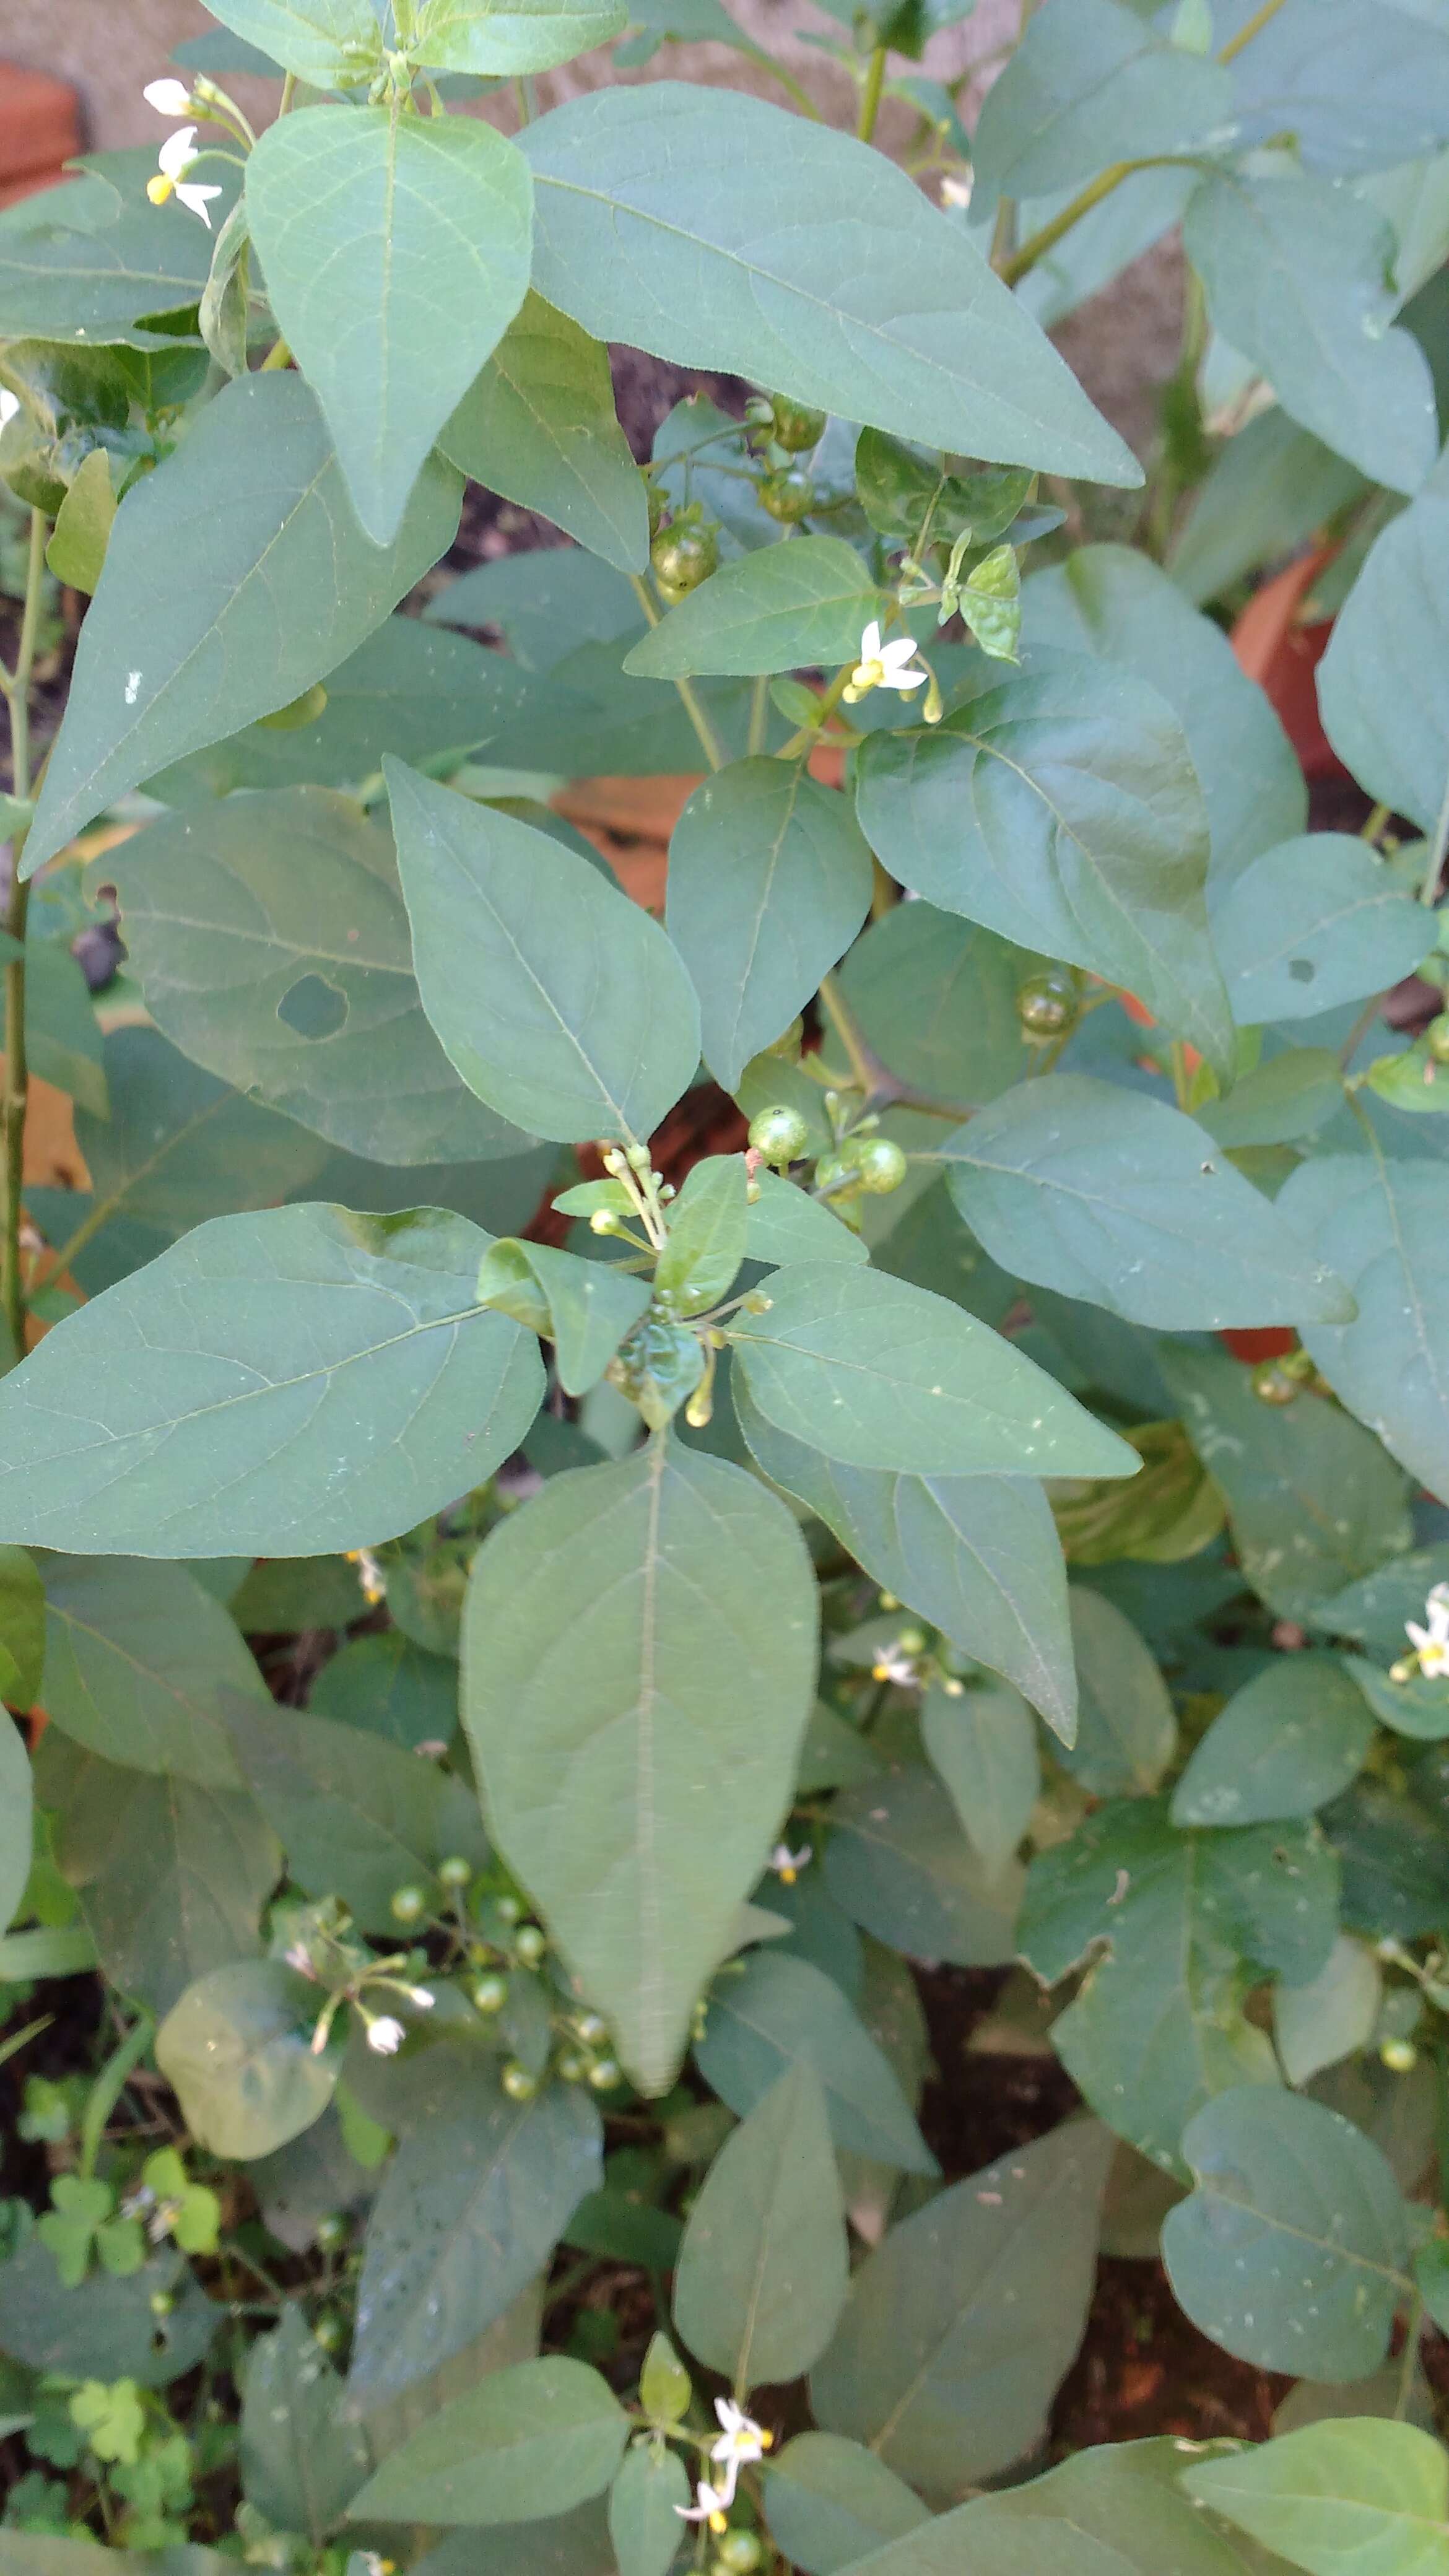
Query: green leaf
point(769, 881)
point(64, 1041)
point(784, 1225)
point(1287, 1742)
point(1313, 1502)
point(645, 2502)
point(141, 1666)
point(1177, 1928)
point(1293, 2245)
point(525, 2443)
point(1088, 84)
point(976, 1555)
point(301, 2462)
point(959, 2327)
point(1271, 485)
point(1294, 270)
point(585, 1308)
point(539, 424)
point(531, 968)
point(390, 1687)
point(776, 2012)
point(1314, 923)
point(1359, 87)
point(719, 232)
point(109, 2328)
point(1126, 1730)
point(1380, 682)
point(22, 1627)
point(1383, 1220)
point(900, 1865)
point(762, 2272)
point(171, 1875)
point(271, 939)
point(879, 1374)
point(983, 1745)
point(805, 602)
point(829, 2501)
point(327, 43)
point(1061, 809)
point(1124, 2497)
point(470, 2211)
point(935, 997)
point(237, 2050)
point(1333, 2016)
point(707, 1228)
point(92, 262)
point(1110, 1195)
point(1284, 1100)
point(253, 500)
point(77, 548)
point(523, 36)
point(634, 1776)
point(391, 222)
point(16, 1820)
point(1113, 601)
point(1363, 2495)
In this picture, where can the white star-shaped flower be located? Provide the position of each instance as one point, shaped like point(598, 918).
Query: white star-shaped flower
point(741, 2442)
point(9, 405)
point(787, 1864)
point(709, 2506)
point(177, 155)
point(892, 1665)
point(385, 2035)
point(168, 97)
point(884, 666)
point(1432, 1643)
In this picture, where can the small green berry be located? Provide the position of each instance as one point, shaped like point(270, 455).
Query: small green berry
point(488, 1994)
point(592, 2029)
point(571, 2066)
point(508, 1909)
point(740, 2552)
point(879, 1161)
point(455, 1871)
point(1272, 1384)
point(1436, 1038)
point(1400, 2056)
point(779, 1135)
point(331, 2230)
point(796, 427)
point(912, 1641)
point(683, 555)
point(1047, 1005)
point(408, 1904)
point(788, 495)
point(330, 2332)
point(606, 2074)
point(530, 1943)
point(161, 2303)
point(517, 2083)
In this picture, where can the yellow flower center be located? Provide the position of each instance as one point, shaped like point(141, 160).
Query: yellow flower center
point(160, 188)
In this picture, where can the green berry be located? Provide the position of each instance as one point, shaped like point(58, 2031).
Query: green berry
point(1047, 1005)
point(530, 1942)
point(330, 2332)
point(592, 2029)
point(606, 2074)
point(508, 1909)
point(488, 1994)
point(740, 2552)
point(683, 555)
point(880, 1163)
point(455, 1871)
point(1400, 2056)
point(161, 2303)
point(796, 427)
point(788, 495)
point(1436, 1038)
point(572, 2066)
point(780, 1135)
point(517, 2083)
point(331, 2230)
point(1272, 1383)
point(408, 1904)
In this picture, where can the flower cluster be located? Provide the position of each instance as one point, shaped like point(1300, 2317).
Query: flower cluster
point(741, 2442)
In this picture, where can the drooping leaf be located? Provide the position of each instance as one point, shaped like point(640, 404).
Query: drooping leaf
point(1311, 924)
point(270, 937)
point(1361, 2494)
point(301, 2461)
point(781, 2012)
point(982, 1743)
point(237, 2050)
point(635, 1774)
point(219, 1380)
point(1286, 1743)
point(646, 2499)
point(959, 2327)
point(902, 1868)
point(254, 501)
point(1109, 1195)
point(976, 1555)
point(1090, 83)
point(1313, 1502)
point(1061, 809)
point(769, 881)
point(396, 220)
point(469, 2212)
point(585, 1308)
point(1175, 1928)
point(1383, 1221)
point(1294, 270)
point(878, 1374)
point(1381, 683)
point(708, 1229)
point(539, 424)
point(531, 968)
point(524, 36)
point(141, 1666)
point(829, 2501)
point(525, 2443)
point(1320, 2024)
point(1294, 2243)
point(653, 211)
point(1126, 1728)
point(787, 605)
point(763, 2268)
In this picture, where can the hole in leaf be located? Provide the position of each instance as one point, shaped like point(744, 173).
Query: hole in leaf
point(313, 1008)
point(1302, 969)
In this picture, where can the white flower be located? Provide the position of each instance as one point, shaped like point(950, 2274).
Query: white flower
point(168, 97)
point(385, 2035)
point(1433, 1642)
point(710, 2506)
point(9, 405)
point(422, 1996)
point(177, 155)
point(369, 1575)
point(740, 2443)
point(893, 1665)
point(300, 1958)
point(884, 666)
point(787, 1864)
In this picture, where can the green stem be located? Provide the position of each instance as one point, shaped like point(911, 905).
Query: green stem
point(870, 95)
point(16, 686)
point(1359, 1031)
point(759, 714)
point(107, 2089)
point(1373, 824)
point(881, 1088)
point(1409, 2358)
point(709, 741)
point(1428, 891)
point(788, 83)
